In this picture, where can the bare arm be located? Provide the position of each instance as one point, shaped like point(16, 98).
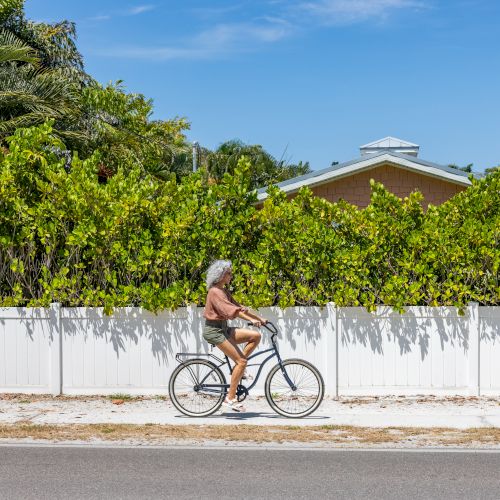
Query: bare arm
point(247, 315)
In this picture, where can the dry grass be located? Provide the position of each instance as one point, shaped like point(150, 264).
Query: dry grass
point(344, 400)
point(328, 434)
point(33, 398)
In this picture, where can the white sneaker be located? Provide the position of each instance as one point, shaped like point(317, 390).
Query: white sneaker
point(233, 404)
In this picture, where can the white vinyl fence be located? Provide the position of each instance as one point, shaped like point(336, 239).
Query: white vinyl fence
point(426, 350)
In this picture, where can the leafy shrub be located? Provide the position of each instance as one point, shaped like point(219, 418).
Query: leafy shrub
point(138, 240)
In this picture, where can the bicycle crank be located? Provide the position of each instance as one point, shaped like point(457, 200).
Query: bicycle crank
point(241, 393)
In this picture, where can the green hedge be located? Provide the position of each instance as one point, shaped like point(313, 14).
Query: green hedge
point(137, 240)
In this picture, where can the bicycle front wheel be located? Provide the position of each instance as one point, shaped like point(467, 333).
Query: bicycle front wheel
point(197, 388)
point(305, 394)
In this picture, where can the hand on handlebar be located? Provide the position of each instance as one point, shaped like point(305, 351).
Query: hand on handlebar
point(258, 323)
point(266, 324)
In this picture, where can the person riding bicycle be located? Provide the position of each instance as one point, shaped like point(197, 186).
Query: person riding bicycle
point(220, 307)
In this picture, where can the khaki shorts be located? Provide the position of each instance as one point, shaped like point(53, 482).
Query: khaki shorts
point(215, 332)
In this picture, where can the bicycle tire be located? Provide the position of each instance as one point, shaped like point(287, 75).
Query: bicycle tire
point(196, 403)
point(309, 393)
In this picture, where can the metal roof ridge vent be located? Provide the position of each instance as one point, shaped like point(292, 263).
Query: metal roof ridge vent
point(391, 144)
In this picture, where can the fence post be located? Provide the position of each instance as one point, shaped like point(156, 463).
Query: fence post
point(55, 349)
point(331, 352)
point(474, 353)
point(193, 322)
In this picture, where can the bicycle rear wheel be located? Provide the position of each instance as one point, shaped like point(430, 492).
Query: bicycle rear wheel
point(197, 388)
point(306, 394)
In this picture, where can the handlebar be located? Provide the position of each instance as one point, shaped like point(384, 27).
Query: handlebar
point(271, 327)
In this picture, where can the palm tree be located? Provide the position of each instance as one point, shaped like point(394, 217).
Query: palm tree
point(265, 169)
point(14, 49)
point(42, 77)
point(30, 94)
point(54, 43)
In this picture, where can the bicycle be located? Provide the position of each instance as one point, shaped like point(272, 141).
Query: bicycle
point(294, 388)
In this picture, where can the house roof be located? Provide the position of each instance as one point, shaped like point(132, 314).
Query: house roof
point(368, 162)
point(391, 143)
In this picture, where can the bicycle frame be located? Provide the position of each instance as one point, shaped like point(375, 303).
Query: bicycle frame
point(273, 349)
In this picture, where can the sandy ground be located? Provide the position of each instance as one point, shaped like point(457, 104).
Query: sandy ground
point(420, 421)
point(420, 411)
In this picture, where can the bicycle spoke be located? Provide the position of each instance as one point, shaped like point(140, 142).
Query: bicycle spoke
point(190, 391)
point(305, 395)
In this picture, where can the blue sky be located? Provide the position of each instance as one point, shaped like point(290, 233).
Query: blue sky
point(310, 80)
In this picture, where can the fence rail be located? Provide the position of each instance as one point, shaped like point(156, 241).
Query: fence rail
point(426, 350)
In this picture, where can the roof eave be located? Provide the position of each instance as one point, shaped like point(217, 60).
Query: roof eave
point(368, 164)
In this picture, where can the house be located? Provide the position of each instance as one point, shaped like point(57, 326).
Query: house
point(391, 161)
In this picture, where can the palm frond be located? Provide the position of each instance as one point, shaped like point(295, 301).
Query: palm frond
point(26, 120)
point(13, 48)
point(29, 97)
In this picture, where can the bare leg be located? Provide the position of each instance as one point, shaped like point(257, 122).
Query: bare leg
point(233, 352)
point(242, 335)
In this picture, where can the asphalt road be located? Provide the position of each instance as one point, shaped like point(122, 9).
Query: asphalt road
point(199, 473)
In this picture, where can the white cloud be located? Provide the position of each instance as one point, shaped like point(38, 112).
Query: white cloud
point(351, 11)
point(225, 39)
point(237, 34)
point(140, 9)
point(216, 42)
point(134, 11)
point(99, 18)
point(157, 53)
point(211, 12)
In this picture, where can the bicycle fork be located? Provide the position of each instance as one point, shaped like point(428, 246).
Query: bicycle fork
point(285, 374)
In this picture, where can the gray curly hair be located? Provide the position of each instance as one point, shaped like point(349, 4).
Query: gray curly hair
point(216, 270)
